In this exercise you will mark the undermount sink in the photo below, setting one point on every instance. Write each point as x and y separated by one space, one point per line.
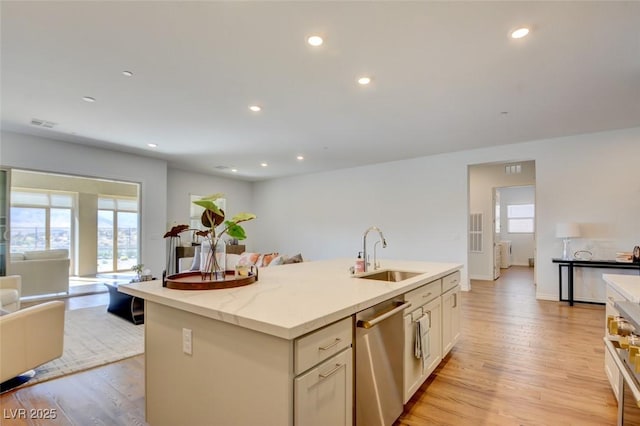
392 276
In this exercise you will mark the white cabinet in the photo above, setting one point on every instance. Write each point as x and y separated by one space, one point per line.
450 319
323 388
610 367
315 347
324 395
439 302
416 370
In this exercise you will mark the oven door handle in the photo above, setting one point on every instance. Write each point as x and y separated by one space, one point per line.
623 370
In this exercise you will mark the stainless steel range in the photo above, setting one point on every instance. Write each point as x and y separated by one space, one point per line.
623 344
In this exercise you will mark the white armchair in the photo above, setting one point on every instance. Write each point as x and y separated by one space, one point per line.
10 292
29 338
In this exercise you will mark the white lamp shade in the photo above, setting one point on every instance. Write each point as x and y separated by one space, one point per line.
567 230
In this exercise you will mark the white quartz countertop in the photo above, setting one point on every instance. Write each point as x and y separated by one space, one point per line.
627 285
288 301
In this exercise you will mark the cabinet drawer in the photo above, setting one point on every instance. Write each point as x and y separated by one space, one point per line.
450 281
320 345
424 294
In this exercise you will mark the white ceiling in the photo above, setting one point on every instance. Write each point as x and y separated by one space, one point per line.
443 74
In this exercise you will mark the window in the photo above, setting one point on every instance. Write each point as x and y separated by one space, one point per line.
41 220
520 218
117 233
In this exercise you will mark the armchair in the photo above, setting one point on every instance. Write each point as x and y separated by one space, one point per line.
29 338
10 292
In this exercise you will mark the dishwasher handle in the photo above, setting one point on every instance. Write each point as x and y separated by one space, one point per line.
399 307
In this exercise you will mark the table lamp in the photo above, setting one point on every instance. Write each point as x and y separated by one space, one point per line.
566 231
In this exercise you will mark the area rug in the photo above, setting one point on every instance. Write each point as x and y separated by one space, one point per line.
92 337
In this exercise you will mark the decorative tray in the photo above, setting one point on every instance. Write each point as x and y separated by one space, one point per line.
194 280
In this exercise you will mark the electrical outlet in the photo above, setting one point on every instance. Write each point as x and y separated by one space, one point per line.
187 341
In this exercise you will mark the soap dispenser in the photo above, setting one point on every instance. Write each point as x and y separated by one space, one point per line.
359 266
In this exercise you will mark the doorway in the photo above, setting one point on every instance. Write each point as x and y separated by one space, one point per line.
503 196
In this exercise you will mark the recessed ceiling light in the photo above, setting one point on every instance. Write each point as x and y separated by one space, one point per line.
264 164
88 99
315 40
152 145
255 108
520 32
234 170
364 80
127 73
300 158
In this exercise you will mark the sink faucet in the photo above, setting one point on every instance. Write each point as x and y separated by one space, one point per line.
364 248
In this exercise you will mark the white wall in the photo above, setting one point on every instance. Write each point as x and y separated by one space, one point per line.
421 204
522 245
483 178
40 154
181 184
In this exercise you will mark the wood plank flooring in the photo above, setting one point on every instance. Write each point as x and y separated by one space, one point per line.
519 361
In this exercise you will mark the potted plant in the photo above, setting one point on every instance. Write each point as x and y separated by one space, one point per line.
213 218
138 270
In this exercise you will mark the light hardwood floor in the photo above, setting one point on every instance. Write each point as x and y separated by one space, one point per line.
519 362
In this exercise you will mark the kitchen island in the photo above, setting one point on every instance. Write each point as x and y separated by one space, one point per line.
240 356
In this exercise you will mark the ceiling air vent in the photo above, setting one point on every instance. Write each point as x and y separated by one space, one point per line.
221 167
43 123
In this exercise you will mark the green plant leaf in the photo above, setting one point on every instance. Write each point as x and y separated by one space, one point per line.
235 231
208 205
243 217
213 197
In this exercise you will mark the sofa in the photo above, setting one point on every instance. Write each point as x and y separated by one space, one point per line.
29 338
10 292
42 271
248 258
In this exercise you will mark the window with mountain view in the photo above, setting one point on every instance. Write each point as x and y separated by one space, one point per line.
117 233
41 220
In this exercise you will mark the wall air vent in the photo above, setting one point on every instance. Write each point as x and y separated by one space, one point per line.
513 169
475 232
43 123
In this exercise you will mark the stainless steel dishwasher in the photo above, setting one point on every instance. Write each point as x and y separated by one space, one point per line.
379 356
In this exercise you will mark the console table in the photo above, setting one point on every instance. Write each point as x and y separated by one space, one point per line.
570 264
125 306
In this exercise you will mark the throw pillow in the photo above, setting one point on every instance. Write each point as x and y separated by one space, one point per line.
278 260
268 258
46 254
247 258
293 259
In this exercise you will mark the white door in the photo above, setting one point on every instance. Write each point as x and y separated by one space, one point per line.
496 233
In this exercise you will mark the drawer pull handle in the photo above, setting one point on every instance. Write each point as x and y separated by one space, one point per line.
427 295
330 345
330 373
454 281
455 300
